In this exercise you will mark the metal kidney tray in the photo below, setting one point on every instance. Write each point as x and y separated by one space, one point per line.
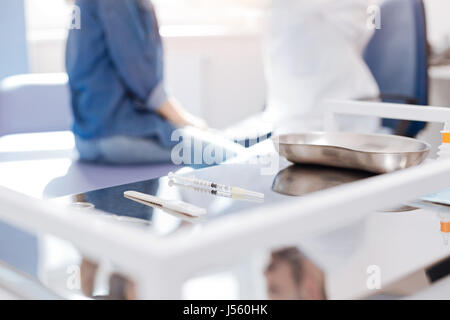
370 152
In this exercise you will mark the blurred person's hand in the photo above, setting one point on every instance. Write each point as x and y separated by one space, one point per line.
178 116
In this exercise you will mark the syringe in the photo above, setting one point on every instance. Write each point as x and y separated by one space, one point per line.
233 191
214 192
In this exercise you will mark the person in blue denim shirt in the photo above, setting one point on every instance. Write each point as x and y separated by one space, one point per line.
123 113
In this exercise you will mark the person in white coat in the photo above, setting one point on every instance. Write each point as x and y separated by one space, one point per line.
314 51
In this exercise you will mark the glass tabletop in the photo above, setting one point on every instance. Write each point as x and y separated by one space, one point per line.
288 182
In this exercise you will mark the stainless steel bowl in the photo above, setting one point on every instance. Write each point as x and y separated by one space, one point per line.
370 152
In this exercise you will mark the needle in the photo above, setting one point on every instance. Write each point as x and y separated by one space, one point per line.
234 191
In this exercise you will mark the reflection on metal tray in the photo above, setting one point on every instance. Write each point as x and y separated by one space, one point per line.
300 180
370 152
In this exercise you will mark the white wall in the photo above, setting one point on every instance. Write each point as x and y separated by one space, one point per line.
218 77
13 46
438 21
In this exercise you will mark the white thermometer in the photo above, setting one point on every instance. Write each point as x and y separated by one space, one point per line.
174 205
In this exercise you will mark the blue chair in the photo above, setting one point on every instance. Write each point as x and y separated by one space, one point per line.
397 55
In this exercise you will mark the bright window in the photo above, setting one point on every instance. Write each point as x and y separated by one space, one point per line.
48 21
47 18
50 17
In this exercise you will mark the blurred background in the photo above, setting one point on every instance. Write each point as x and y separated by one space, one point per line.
206 41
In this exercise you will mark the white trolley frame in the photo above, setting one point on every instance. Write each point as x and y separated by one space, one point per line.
160 266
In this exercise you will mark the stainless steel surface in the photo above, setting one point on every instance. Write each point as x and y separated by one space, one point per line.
370 152
403 208
300 180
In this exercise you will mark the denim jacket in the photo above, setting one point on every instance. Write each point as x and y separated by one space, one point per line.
115 67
